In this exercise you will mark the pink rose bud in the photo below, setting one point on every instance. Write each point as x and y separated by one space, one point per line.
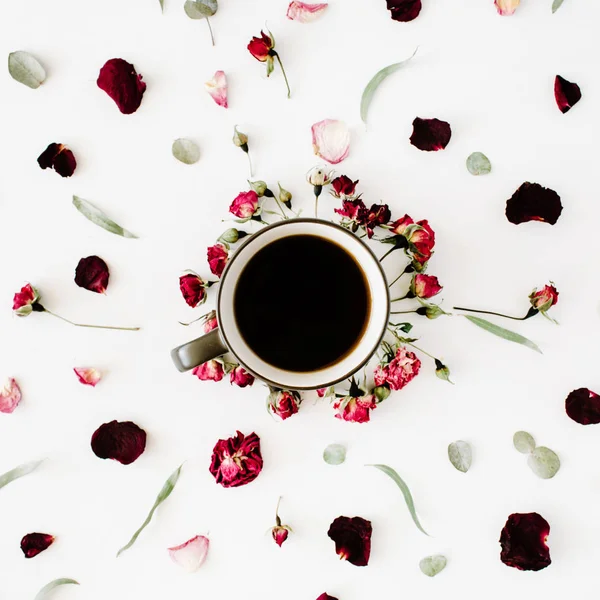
217 88
120 81
236 461
123 441
87 375
280 534
34 543
23 301
400 371
217 257
284 403
425 286
304 13
240 377
544 299
355 410
211 370
59 158
506 7
245 205
190 555
10 396
193 289
92 274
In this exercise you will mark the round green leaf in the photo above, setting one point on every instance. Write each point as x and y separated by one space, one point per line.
544 462
479 164
460 455
186 151
200 9
26 69
524 442
334 454
432 565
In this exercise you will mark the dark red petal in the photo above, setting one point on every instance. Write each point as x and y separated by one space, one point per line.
430 135
34 543
326 597
92 274
121 441
46 158
119 80
532 202
583 406
523 541
404 10
65 163
352 537
567 94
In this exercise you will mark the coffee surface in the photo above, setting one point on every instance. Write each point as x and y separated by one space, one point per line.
302 303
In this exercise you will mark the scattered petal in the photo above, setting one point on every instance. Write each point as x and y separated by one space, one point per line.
523 540
88 375
97 217
10 396
92 274
119 80
506 7
505 334
334 454
58 157
121 441
544 462
305 13
43 593
217 88
404 10
26 69
583 406
532 202
352 537
432 565
460 455
479 164
19 472
191 554
430 135
567 94
186 151
524 442
34 543
237 460
331 140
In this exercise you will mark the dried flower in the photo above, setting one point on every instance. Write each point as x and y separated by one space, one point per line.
236 461
122 441
285 197
583 406
88 375
424 286
245 206
442 371
399 371
92 274
318 177
352 537
378 214
211 370
263 50
326 597
430 135
231 236
241 141
355 410
280 532
343 187
210 321
506 7
240 377
10 396
331 140
532 202
217 88
283 403
567 94
193 288
404 10
119 80
34 543
523 540
217 257
190 555
59 158
305 13
326 392
544 299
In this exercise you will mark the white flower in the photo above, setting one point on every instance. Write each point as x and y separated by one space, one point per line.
331 140
319 175
191 554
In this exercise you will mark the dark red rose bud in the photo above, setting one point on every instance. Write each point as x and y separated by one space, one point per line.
121 441
119 80
379 214
430 135
567 94
352 537
217 257
193 289
326 597
260 47
280 534
343 186
583 406
59 158
92 274
237 460
34 543
355 210
532 202
523 542
404 10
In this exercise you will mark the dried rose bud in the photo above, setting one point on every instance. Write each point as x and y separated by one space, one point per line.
10 396
382 392
211 370
532 202
87 375
261 188
352 537
544 299
400 371
261 47
34 543
92 274
430 135
284 403
122 441
217 257
583 406
245 205
523 540
378 214
240 377
231 236
319 176
119 80
210 322
425 286
285 197
442 371
280 534
343 187
240 139
193 289
190 555
355 409
217 88
326 597
59 158
236 461
326 392
431 311
25 300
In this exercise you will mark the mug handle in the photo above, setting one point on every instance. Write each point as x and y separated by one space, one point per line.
198 351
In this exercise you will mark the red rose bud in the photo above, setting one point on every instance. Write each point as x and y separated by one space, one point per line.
400 226
567 94
430 135
352 537
400 371
211 370
92 274
425 286
34 543
59 158
193 289
326 597
284 403
523 540
379 214
121 441
280 534
217 257
240 377
544 299
261 47
24 301
421 242
404 10
355 409
245 205
236 461
583 406
532 202
120 81
343 187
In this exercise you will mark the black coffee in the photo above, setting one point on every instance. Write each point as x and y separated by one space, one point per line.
302 303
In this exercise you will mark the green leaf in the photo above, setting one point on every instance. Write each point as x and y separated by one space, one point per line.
524 442
43 593
162 5
432 565
334 454
405 492
19 471
376 82
96 216
544 462
479 164
200 9
164 493
26 69
186 151
506 334
556 5
460 455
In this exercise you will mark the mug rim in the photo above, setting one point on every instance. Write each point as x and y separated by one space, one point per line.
282 223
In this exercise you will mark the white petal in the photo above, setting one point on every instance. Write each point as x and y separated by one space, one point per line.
305 13
507 7
331 140
88 375
190 555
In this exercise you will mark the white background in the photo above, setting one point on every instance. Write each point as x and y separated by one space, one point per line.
492 79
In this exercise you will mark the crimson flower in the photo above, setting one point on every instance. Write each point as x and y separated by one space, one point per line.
25 301
263 50
34 543
92 274
245 205
217 257
121 441
424 286
343 187
120 81
280 532
59 158
523 540
378 214
236 461
211 370
193 289
240 377
352 537
283 403
544 299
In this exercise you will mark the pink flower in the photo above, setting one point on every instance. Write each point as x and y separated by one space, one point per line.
402 369
245 205
92 274
240 377
280 534
331 140
236 461
355 410
304 13
24 300
217 257
191 554
193 289
10 396
120 81
121 441
425 286
34 543
217 88
87 375
284 403
210 322
506 7
59 158
544 299
211 370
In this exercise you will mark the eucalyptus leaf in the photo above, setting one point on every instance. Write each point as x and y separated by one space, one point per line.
460 455
19 472
162 4
405 492
43 593
544 462
479 164
186 151
200 9
164 493
506 334
372 86
432 565
96 216
524 442
26 69
556 5
334 454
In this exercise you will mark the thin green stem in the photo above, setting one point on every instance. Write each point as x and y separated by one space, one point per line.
403 312
212 37
280 207
289 95
402 298
387 253
250 163
316 207
92 326
488 312
421 350
397 278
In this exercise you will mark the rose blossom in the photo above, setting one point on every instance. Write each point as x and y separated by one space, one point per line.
355 210
421 242
583 406
355 409
88 375
120 81
506 7
121 441
240 377
261 47
304 13
211 370
544 299
34 543
10 396
379 214
92 274
217 257
59 158
245 205
352 537
425 286
343 187
193 289
191 554
23 301
331 140
523 540
402 369
284 403
400 226
217 88
236 461
280 534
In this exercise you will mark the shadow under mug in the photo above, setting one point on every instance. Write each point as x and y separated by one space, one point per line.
227 337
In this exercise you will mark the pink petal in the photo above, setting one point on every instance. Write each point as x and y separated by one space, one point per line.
331 140
10 396
506 7
305 13
217 88
191 554
88 375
